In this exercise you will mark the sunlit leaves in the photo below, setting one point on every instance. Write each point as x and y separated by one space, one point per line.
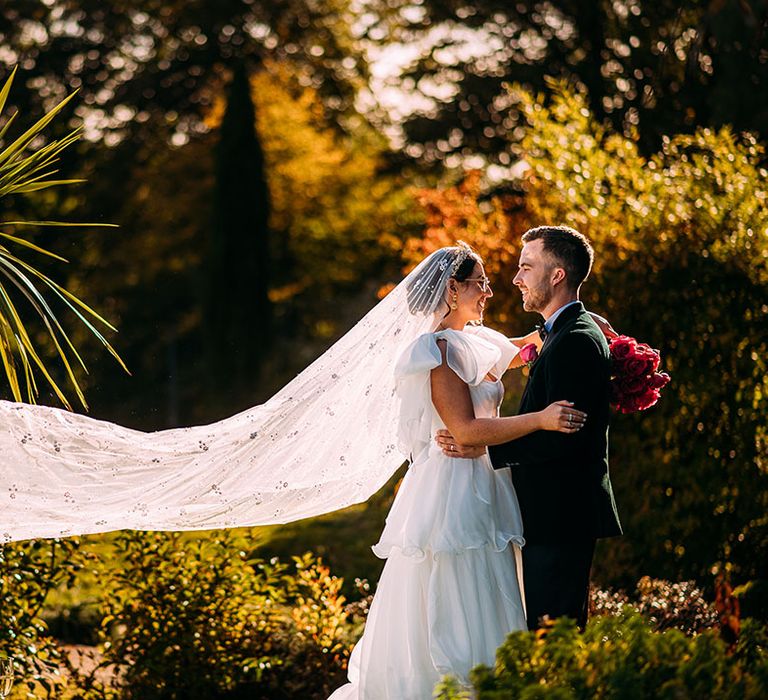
29 572
621 657
24 169
200 617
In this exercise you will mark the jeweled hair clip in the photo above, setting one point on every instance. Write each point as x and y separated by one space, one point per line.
461 256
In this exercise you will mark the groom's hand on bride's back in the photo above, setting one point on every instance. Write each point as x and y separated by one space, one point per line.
451 448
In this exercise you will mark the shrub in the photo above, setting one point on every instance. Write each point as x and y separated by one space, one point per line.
664 604
201 619
29 572
753 598
621 657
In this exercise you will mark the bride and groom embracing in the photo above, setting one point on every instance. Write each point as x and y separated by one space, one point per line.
486 496
419 377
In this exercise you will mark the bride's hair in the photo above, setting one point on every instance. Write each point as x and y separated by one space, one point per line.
426 290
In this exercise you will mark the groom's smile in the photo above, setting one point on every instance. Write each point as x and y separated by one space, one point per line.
532 278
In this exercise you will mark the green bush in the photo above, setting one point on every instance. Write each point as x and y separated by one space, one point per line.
753 599
621 658
198 618
664 604
29 573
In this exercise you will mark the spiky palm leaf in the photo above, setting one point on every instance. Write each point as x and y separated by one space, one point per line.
22 171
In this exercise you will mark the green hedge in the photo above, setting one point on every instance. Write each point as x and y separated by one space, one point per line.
29 573
621 658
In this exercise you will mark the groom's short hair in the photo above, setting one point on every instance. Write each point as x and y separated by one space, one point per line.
570 248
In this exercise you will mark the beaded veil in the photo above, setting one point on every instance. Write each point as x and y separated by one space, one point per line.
328 439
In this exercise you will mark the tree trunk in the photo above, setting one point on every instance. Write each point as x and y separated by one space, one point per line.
239 311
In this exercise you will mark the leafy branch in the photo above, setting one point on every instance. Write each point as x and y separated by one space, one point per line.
23 172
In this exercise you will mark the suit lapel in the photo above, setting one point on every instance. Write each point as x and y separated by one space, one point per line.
562 322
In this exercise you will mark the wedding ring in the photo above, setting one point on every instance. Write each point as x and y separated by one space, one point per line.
453 448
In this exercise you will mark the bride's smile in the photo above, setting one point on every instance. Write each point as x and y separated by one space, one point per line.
467 298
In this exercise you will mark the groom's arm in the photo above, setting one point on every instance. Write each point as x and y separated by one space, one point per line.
576 371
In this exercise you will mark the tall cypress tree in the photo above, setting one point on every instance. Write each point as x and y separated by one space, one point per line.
239 310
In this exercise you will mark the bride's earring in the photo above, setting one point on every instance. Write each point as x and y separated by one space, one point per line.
454 302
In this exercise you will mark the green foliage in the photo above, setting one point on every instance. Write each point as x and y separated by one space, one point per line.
753 599
145 93
660 68
198 618
29 573
664 604
621 658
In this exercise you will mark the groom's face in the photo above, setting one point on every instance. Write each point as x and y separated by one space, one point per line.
534 276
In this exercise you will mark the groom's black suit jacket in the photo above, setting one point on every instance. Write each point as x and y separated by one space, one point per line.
562 479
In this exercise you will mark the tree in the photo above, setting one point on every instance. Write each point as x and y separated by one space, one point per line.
239 311
157 64
662 67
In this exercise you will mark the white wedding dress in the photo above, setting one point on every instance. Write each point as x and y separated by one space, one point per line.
449 593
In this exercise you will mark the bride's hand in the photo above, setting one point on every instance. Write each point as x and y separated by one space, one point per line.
605 326
561 416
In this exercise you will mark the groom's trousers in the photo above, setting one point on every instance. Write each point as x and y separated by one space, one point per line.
556 580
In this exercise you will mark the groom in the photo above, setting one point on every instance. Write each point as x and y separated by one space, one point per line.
561 479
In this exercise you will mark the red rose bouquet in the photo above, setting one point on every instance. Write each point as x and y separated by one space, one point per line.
636 383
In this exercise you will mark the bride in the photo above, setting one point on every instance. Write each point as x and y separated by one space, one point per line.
449 592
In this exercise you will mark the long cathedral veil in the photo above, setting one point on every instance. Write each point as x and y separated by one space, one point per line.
328 439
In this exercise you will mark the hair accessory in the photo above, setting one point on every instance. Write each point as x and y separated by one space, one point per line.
461 256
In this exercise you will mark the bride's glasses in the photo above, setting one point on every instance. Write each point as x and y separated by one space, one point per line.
483 282
6 677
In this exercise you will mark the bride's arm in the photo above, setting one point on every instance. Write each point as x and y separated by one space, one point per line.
604 325
451 398
521 342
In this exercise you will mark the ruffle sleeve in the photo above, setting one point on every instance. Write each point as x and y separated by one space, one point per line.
472 355
507 351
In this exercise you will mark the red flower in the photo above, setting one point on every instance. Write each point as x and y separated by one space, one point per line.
659 380
622 346
648 353
529 353
636 385
637 366
631 385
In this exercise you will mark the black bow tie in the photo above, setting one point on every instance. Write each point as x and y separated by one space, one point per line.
543 332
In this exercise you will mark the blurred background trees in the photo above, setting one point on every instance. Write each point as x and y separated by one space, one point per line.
657 68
